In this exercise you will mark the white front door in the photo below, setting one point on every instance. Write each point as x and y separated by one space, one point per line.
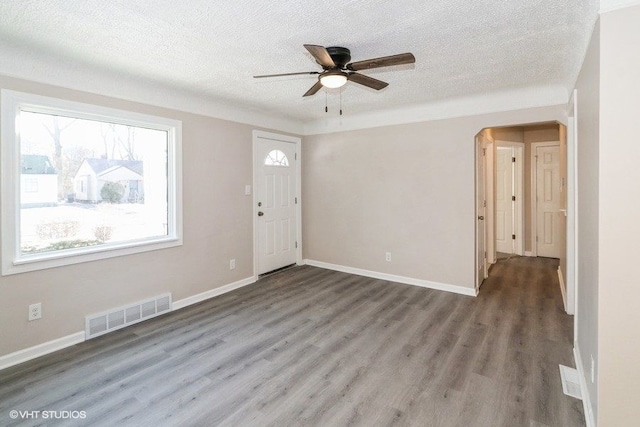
548 204
481 248
504 200
276 204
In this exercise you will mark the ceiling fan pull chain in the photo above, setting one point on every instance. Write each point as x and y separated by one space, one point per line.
326 106
340 101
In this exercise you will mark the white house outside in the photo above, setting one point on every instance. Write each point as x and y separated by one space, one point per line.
94 173
38 182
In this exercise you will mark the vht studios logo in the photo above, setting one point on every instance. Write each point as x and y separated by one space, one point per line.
51 415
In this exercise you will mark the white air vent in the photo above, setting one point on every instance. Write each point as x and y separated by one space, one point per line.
570 382
118 318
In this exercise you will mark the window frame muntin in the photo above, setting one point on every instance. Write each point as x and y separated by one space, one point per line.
12 103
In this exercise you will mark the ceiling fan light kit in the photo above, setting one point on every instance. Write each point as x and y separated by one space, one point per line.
333 79
336 69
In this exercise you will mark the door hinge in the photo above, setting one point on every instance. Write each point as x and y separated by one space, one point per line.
513 237
295 156
513 159
296 245
536 238
484 151
513 198
296 200
484 203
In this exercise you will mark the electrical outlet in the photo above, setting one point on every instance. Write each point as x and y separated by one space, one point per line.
232 264
35 311
387 257
593 370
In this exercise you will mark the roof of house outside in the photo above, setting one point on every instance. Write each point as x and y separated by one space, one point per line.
34 164
100 165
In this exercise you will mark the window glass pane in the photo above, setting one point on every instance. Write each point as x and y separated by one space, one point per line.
276 158
87 183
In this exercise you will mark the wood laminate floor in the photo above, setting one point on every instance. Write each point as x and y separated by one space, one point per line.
314 347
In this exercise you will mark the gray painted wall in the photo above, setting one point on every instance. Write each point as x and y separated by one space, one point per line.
588 120
217 227
619 219
406 189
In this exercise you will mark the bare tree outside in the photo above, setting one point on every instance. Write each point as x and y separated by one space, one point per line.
55 131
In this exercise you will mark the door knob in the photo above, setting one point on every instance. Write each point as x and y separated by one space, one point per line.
260 213
481 217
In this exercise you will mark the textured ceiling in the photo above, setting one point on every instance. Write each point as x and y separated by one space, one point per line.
212 48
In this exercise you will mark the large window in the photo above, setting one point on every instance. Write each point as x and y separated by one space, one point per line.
82 182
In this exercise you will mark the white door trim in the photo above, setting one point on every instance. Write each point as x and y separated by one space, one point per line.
480 157
534 202
257 135
572 212
518 175
490 191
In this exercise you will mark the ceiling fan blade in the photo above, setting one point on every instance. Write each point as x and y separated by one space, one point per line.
385 61
315 88
321 55
286 74
367 81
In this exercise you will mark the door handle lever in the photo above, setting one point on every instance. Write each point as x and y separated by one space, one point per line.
481 217
260 213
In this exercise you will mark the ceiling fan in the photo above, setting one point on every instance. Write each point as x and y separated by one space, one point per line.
336 69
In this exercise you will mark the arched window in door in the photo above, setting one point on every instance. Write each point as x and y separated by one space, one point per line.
276 158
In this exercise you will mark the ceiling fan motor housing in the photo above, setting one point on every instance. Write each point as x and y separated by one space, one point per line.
340 55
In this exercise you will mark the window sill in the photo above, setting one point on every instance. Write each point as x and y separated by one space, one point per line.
75 256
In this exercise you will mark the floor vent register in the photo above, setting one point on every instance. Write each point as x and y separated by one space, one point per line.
118 318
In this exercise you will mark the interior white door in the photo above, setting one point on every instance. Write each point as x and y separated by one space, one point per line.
504 200
275 195
481 248
548 203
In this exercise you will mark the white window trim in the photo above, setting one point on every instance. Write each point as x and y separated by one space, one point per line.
11 104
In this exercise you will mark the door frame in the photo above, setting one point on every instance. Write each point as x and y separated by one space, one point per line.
518 188
572 212
534 192
479 146
257 136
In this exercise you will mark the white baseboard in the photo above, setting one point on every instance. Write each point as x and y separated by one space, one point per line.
177 305
528 253
393 278
27 354
30 353
563 289
586 399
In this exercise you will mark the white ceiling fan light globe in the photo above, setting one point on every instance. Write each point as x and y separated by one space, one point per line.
333 81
